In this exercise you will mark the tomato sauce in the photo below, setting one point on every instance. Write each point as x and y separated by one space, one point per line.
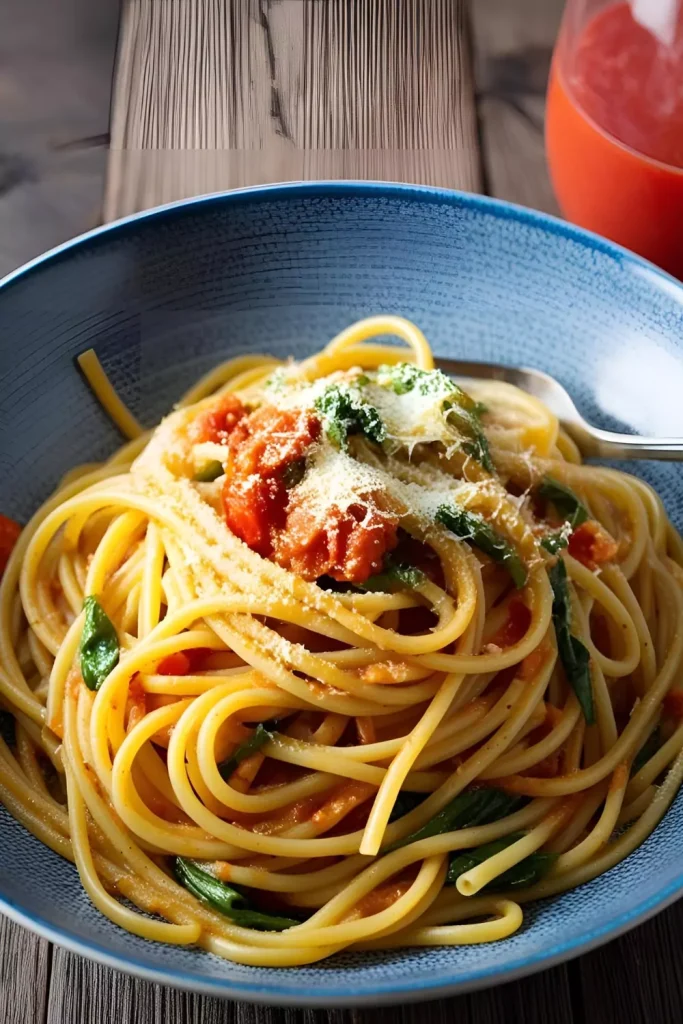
265 453
515 627
218 421
260 449
591 545
9 535
347 544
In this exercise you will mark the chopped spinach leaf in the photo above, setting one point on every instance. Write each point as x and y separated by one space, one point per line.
225 899
473 528
345 412
404 803
260 736
99 647
572 652
520 876
648 750
394 576
566 503
471 807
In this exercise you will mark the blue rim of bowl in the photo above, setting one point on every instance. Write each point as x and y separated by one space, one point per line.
375 992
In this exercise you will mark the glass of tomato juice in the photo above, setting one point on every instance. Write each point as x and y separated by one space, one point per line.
614 124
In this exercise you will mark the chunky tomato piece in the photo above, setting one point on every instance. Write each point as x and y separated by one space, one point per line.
9 535
533 663
270 439
253 508
515 626
177 664
182 663
591 545
261 449
349 545
673 704
218 421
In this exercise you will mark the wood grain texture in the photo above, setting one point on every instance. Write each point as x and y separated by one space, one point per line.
218 93
638 977
82 992
513 44
24 972
215 94
56 63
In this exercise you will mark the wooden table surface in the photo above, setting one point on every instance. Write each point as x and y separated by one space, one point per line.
212 94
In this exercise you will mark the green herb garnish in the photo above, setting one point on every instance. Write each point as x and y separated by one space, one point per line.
211 471
345 412
99 647
520 876
394 576
225 899
458 406
404 803
405 377
566 503
260 736
648 750
573 653
473 528
471 807
479 450
277 381
555 542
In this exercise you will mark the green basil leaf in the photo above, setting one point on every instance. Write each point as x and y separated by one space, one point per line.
345 412
648 750
520 876
211 471
567 504
471 807
474 529
555 542
573 654
394 576
479 449
404 803
260 736
457 405
225 899
99 647
405 377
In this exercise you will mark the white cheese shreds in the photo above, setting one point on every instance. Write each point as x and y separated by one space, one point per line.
335 480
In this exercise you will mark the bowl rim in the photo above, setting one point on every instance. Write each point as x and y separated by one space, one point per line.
374 992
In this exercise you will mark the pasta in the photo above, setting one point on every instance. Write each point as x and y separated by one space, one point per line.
340 656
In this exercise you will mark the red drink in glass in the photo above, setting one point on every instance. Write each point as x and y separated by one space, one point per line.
614 129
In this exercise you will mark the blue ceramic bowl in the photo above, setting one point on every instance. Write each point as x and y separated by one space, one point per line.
165 295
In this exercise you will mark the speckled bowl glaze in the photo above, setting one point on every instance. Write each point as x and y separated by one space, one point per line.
165 295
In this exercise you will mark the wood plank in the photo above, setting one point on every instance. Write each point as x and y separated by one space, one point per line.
638 977
24 971
82 992
215 94
513 45
56 63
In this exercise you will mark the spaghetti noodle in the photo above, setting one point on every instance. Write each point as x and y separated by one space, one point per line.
341 656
